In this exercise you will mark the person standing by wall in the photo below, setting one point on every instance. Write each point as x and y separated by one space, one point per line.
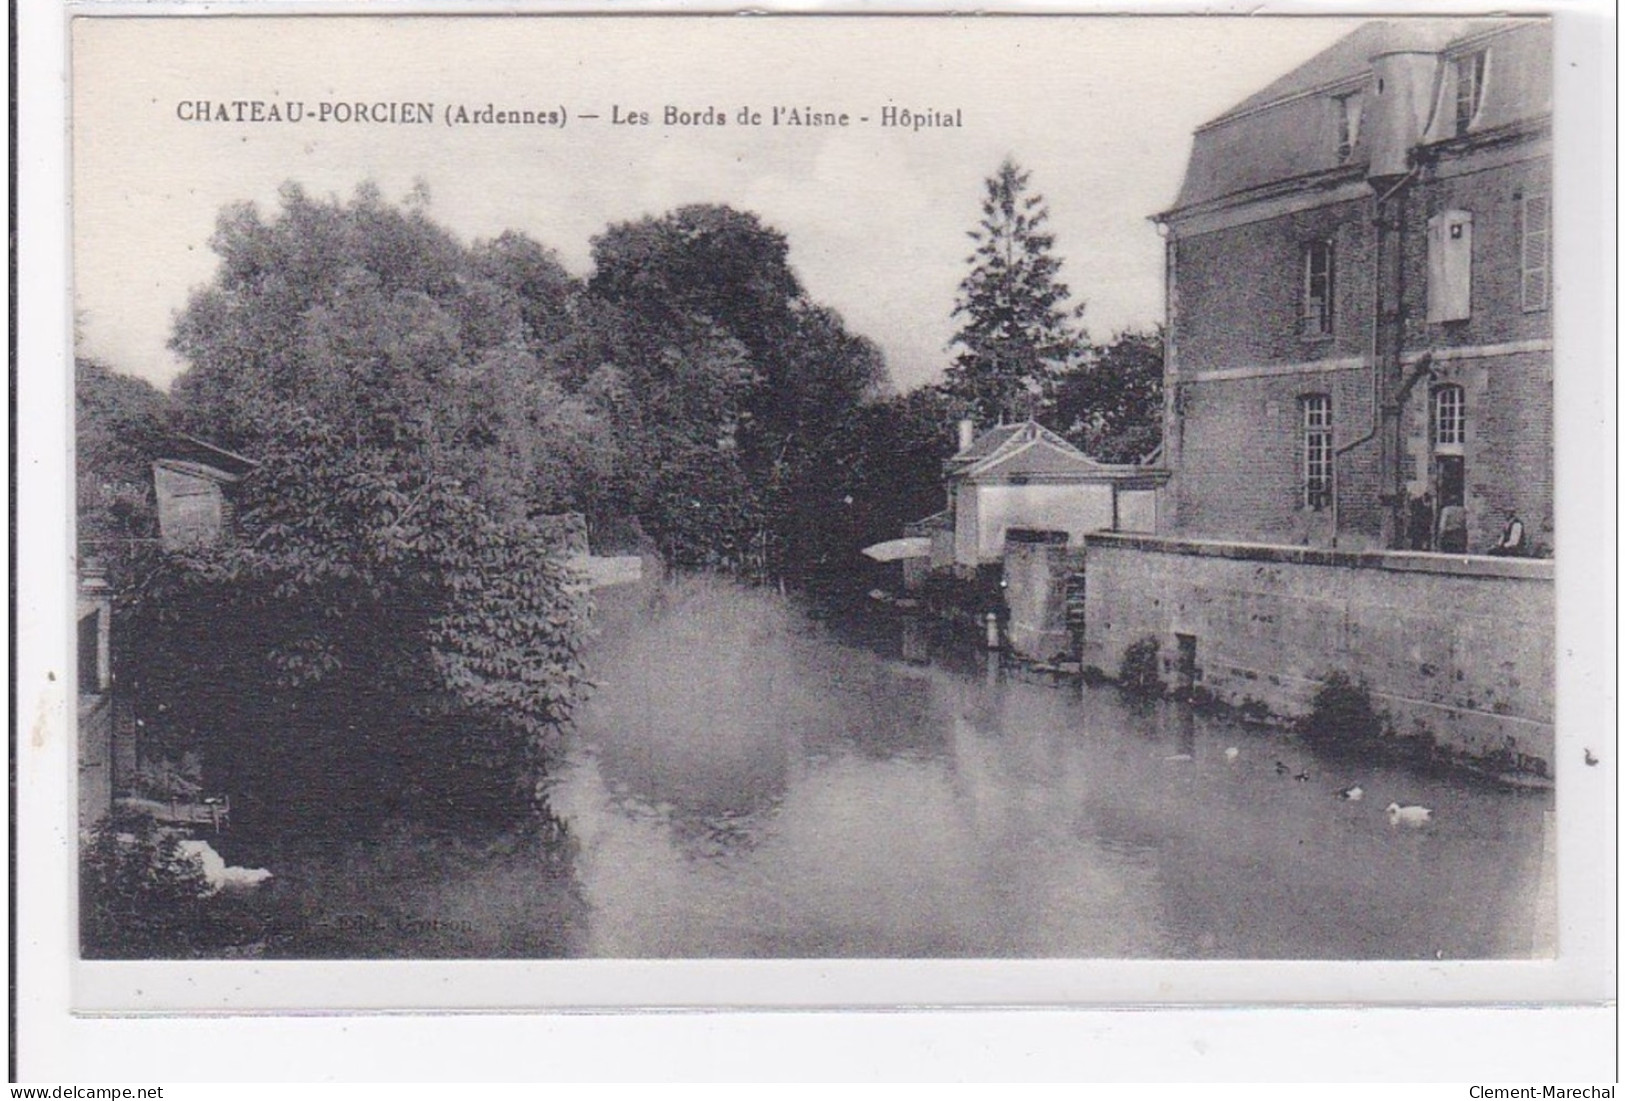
1452 530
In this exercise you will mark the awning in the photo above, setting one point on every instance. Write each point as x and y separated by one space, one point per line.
894 550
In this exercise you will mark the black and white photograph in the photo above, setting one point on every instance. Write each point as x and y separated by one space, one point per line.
916 488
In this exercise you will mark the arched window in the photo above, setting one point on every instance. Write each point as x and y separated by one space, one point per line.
1449 420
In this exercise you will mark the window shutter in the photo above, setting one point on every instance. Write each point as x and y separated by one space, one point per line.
1535 247
1450 266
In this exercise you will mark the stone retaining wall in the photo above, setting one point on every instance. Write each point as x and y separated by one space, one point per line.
1456 648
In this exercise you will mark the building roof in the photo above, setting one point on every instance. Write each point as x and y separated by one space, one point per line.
1029 450
1006 437
1351 56
986 444
201 457
1289 130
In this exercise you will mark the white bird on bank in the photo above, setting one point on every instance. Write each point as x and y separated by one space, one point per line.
216 872
1353 794
1409 816
1232 753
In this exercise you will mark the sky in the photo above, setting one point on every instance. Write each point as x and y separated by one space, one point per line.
1100 110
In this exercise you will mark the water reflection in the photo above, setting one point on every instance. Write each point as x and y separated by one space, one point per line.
749 784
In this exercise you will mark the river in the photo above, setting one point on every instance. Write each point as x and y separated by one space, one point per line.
750 782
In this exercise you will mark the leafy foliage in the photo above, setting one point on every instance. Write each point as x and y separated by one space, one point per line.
377 322
1017 336
140 895
742 378
1111 405
120 423
393 626
377 638
882 469
393 631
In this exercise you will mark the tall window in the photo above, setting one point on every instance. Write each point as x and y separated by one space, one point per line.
1317 450
1348 124
1449 420
1536 250
1469 88
1318 288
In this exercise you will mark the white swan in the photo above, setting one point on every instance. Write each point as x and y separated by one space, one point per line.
1410 816
1353 794
1232 753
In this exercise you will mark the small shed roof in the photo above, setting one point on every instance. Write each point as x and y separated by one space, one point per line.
188 453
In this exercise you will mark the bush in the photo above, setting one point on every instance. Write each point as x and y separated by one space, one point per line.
139 895
1342 710
1141 671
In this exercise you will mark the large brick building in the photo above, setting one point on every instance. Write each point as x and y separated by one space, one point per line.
1359 298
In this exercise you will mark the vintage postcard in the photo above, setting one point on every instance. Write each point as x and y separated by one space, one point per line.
834 511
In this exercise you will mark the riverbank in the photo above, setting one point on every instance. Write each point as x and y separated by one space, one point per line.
966 603
403 893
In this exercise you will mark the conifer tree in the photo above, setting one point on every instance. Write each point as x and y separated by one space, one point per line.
1017 336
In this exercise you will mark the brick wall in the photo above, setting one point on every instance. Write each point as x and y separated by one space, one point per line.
1509 447
1491 191
1235 293
1461 650
1242 471
1240 290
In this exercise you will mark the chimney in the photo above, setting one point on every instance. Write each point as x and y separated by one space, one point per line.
967 433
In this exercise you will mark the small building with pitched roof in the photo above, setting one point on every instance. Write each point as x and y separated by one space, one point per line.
1026 476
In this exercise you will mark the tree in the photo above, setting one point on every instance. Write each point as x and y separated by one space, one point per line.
748 375
377 640
120 423
392 630
1017 335
880 469
1111 406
